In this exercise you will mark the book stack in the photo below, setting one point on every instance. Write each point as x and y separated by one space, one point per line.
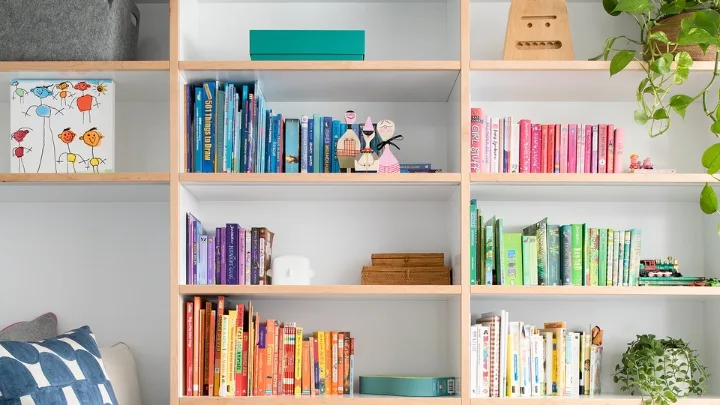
504 145
230 352
546 254
515 359
233 255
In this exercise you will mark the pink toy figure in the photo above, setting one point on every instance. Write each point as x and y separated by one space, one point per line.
647 164
388 162
634 161
348 145
367 160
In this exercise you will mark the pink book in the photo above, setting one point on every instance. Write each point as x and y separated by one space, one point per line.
594 153
535 152
488 144
610 164
543 148
572 148
588 148
556 167
550 168
602 149
619 146
476 151
580 153
525 146
563 149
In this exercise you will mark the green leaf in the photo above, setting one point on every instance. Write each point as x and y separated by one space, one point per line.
634 6
711 159
707 20
620 61
681 74
715 128
683 59
708 200
673 7
669 395
660 114
641 117
695 36
609 6
660 66
659 36
679 103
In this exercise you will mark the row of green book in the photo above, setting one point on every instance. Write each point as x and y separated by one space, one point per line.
546 254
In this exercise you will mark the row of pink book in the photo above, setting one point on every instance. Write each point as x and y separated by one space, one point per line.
499 145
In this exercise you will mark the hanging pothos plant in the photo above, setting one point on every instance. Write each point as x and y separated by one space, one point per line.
672 34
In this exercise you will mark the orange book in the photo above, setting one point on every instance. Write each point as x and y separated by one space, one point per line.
196 346
261 359
331 351
218 343
313 383
244 380
340 362
276 357
189 346
251 351
306 360
202 364
211 354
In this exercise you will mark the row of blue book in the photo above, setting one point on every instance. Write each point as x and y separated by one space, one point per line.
230 130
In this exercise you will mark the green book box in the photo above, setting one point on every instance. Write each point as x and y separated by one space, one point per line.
307 45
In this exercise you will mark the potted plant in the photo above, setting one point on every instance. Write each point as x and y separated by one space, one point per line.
662 369
673 33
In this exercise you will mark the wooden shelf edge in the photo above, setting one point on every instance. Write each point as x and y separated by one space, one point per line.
320 178
481 290
82 66
566 65
355 399
85 178
309 290
321 65
593 178
596 400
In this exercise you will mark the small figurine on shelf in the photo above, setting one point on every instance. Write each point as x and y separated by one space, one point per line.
367 159
388 162
634 161
647 164
348 145
597 336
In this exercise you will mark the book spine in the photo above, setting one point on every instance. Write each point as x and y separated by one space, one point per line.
542 254
580 149
488 144
311 147
610 150
588 148
525 146
551 162
572 148
563 149
199 118
620 258
189 347
636 238
626 259
327 140
255 255
543 148
566 254
594 153
553 249
473 242
306 362
602 148
577 254
248 256
593 250
304 145
496 145
261 256
602 256
610 256
475 142
490 256
297 342
240 260
514 146
535 151
190 246
586 254
619 149
202 260
474 356
211 260
219 254
240 334
232 238
617 246
208 144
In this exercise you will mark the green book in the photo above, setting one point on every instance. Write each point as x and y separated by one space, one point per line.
577 254
539 230
408 386
480 249
473 242
626 259
553 248
500 266
586 254
489 254
529 263
602 256
566 262
635 237
512 253
593 253
619 254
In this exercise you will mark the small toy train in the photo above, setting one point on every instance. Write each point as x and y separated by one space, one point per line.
659 268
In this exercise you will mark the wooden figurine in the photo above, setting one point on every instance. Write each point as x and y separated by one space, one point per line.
348 145
367 159
538 30
388 162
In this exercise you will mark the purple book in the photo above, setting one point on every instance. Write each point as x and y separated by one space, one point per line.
232 248
223 256
241 257
255 250
190 234
216 255
211 260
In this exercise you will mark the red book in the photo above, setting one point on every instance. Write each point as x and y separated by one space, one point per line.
240 326
525 146
610 149
536 149
550 168
189 349
543 148
572 148
211 350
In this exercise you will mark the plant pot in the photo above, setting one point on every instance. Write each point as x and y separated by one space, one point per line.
671 27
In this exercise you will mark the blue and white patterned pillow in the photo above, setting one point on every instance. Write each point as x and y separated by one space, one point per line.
64 370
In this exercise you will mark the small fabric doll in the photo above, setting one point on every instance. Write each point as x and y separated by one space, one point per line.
367 159
388 162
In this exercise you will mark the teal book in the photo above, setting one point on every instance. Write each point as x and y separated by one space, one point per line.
566 252
577 254
529 262
317 143
499 249
539 230
512 252
553 248
292 145
408 386
490 253
602 256
473 242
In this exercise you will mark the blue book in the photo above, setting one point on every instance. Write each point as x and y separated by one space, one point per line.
318 140
197 164
304 144
220 104
311 147
245 130
229 127
208 134
339 131
292 145
272 166
327 144
268 141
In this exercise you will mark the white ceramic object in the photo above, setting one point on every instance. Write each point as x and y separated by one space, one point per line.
291 270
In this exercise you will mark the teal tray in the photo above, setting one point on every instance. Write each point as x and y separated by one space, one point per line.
325 45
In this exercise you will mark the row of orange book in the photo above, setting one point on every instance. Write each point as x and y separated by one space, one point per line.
230 352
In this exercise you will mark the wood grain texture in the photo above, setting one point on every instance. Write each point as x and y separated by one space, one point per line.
565 290
84 178
84 66
597 178
321 65
329 178
599 400
309 290
566 65
321 400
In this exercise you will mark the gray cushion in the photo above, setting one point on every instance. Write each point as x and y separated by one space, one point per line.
40 328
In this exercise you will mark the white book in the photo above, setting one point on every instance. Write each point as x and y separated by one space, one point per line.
537 375
514 146
474 391
525 360
484 360
516 364
62 126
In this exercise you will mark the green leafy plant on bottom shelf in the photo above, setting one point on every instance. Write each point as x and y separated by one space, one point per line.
662 369
672 33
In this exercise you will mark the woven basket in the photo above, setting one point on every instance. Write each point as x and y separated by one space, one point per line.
408 259
671 27
382 275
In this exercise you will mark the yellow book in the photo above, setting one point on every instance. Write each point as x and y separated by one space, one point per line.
509 364
223 358
334 354
558 355
320 336
329 387
298 361
232 357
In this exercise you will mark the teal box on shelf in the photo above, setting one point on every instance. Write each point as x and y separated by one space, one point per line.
307 45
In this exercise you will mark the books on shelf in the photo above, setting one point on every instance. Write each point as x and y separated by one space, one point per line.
515 359
507 145
548 254
233 255
231 352
229 129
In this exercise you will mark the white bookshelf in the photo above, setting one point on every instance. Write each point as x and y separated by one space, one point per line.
427 63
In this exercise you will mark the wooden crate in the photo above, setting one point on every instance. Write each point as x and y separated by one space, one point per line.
408 259
389 275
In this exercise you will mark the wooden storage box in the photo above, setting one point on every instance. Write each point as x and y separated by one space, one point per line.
389 275
408 259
